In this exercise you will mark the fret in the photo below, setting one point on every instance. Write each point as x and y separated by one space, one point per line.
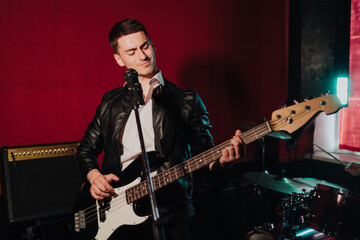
128 196
136 193
201 161
160 181
268 127
185 168
179 172
156 182
176 175
196 163
166 178
256 133
143 190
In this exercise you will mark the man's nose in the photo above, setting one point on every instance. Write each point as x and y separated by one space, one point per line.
142 54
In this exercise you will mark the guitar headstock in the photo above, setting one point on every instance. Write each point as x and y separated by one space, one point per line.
292 118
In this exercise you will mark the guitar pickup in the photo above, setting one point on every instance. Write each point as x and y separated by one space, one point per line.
104 205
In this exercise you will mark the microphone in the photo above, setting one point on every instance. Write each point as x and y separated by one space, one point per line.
132 79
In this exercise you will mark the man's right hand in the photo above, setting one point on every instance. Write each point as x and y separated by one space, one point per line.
100 184
353 168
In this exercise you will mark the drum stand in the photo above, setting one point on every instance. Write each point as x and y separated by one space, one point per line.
294 212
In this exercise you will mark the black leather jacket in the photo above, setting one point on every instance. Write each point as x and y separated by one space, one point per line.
181 127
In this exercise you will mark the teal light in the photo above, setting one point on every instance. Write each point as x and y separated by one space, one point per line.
305 232
342 90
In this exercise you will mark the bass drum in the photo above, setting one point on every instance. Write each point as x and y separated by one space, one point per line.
259 234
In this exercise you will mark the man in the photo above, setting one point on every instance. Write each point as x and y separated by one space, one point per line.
175 125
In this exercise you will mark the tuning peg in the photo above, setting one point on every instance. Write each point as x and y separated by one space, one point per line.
283 106
296 102
325 94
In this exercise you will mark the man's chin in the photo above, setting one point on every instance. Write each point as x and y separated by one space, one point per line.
147 73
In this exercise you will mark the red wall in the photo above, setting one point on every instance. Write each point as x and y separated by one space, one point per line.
56 62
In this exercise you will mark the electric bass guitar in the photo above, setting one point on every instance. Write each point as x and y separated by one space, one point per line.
99 219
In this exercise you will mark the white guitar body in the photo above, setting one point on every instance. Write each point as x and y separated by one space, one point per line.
118 214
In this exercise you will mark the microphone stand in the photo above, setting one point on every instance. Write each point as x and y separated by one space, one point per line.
262 141
158 230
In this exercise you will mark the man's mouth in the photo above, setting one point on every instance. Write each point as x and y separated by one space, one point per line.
145 63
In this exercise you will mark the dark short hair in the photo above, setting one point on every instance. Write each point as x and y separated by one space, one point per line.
123 28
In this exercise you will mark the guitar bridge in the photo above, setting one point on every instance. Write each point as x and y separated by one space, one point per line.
79 221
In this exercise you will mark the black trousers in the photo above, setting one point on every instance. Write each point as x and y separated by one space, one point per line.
144 231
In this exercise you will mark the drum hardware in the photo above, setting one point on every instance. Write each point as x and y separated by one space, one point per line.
312 209
294 214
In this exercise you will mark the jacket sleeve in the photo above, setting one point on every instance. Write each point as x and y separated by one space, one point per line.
200 138
91 145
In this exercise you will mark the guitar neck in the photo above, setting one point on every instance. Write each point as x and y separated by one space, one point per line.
161 180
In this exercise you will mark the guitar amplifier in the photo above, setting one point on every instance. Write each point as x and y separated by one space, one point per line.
39 181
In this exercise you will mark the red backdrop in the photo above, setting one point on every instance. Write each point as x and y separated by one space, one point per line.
56 62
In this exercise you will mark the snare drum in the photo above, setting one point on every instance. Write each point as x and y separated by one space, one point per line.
335 212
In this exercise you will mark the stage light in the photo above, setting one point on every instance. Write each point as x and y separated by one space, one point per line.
342 90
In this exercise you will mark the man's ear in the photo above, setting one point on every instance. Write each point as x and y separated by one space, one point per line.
119 60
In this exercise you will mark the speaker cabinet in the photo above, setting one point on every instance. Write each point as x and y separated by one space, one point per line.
39 181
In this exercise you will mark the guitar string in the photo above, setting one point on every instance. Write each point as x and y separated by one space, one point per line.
116 206
282 121
193 161
119 202
146 191
262 128
161 179
121 196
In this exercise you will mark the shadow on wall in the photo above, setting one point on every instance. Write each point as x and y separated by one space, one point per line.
223 89
221 86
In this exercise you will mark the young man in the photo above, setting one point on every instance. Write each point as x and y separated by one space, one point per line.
175 126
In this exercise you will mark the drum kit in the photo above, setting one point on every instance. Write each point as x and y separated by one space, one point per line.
310 209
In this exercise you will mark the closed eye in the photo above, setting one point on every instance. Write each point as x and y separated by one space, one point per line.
131 52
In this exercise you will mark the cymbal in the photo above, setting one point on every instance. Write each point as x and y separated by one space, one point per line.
313 182
277 183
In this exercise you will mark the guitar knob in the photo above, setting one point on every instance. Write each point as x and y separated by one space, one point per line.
289 120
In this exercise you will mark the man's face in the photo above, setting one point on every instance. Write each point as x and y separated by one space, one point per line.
137 52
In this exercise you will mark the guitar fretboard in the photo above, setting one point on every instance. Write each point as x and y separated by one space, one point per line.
161 180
